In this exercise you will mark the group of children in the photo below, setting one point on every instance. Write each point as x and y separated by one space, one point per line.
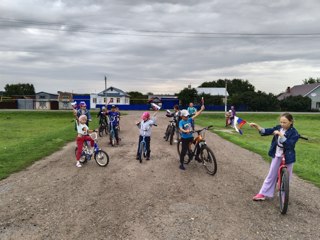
82 117
283 142
285 137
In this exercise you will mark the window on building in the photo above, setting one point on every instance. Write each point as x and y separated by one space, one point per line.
118 100
94 100
317 105
111 100
104 100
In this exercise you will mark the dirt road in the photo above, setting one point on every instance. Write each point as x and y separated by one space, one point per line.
154 200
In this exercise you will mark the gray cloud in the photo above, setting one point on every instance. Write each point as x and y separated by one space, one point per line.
157 46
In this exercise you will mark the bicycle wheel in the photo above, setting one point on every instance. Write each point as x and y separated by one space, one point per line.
101 130
168 132
112 138
171 135
102 158
209 160
83 158
284 191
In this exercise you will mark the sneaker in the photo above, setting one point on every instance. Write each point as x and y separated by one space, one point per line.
182 167
175 141
259 197
78 164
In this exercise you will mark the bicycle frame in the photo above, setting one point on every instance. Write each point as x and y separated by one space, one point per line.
100 156
205 154
112 132
282 166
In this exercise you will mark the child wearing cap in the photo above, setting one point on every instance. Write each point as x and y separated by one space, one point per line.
114 117
186 132
84 111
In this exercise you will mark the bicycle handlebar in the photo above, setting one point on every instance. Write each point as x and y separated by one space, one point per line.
206 128
304 138
93 135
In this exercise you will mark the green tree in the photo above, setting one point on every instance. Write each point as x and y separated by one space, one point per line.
256 101
20 89
296 103
138 98
311 80
210 100
188 95
233 86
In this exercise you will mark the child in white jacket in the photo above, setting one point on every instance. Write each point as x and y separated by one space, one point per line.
145 131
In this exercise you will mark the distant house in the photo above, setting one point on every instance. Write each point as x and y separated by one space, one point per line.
110 96
306 90
46 101
65 100
213 91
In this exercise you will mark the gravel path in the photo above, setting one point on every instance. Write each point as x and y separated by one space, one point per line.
154 200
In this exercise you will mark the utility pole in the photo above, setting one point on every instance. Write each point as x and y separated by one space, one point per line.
105 87
225 97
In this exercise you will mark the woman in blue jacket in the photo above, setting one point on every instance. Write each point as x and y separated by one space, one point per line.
283 142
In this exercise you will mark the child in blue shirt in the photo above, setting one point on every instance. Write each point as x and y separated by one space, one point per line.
186 132
114 117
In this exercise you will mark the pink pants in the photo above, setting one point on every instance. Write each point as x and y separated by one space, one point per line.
80 141
270 182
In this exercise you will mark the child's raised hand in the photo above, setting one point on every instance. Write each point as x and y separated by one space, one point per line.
252 124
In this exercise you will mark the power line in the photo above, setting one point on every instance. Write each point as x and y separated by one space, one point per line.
63 27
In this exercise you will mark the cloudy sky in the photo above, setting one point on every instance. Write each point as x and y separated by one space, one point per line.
158 46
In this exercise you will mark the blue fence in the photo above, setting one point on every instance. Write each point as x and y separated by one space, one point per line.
147 107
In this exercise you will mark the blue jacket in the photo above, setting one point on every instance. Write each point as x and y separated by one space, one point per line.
291 136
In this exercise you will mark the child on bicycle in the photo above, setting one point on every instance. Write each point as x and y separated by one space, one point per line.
145 131
283 142
186 132
84 111
114 117
102 115
83 135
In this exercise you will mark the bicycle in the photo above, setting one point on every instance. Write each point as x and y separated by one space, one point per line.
283 184
206 155
100 156
112 132
103 127
142 149
170 131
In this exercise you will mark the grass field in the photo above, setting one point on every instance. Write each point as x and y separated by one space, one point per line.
307 164
28 136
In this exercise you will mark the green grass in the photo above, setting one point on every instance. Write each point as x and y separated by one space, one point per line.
28 136
307 165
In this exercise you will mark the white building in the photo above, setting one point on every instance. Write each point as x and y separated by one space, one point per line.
213 91
111 95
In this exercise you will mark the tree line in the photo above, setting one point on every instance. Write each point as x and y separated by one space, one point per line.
241 93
